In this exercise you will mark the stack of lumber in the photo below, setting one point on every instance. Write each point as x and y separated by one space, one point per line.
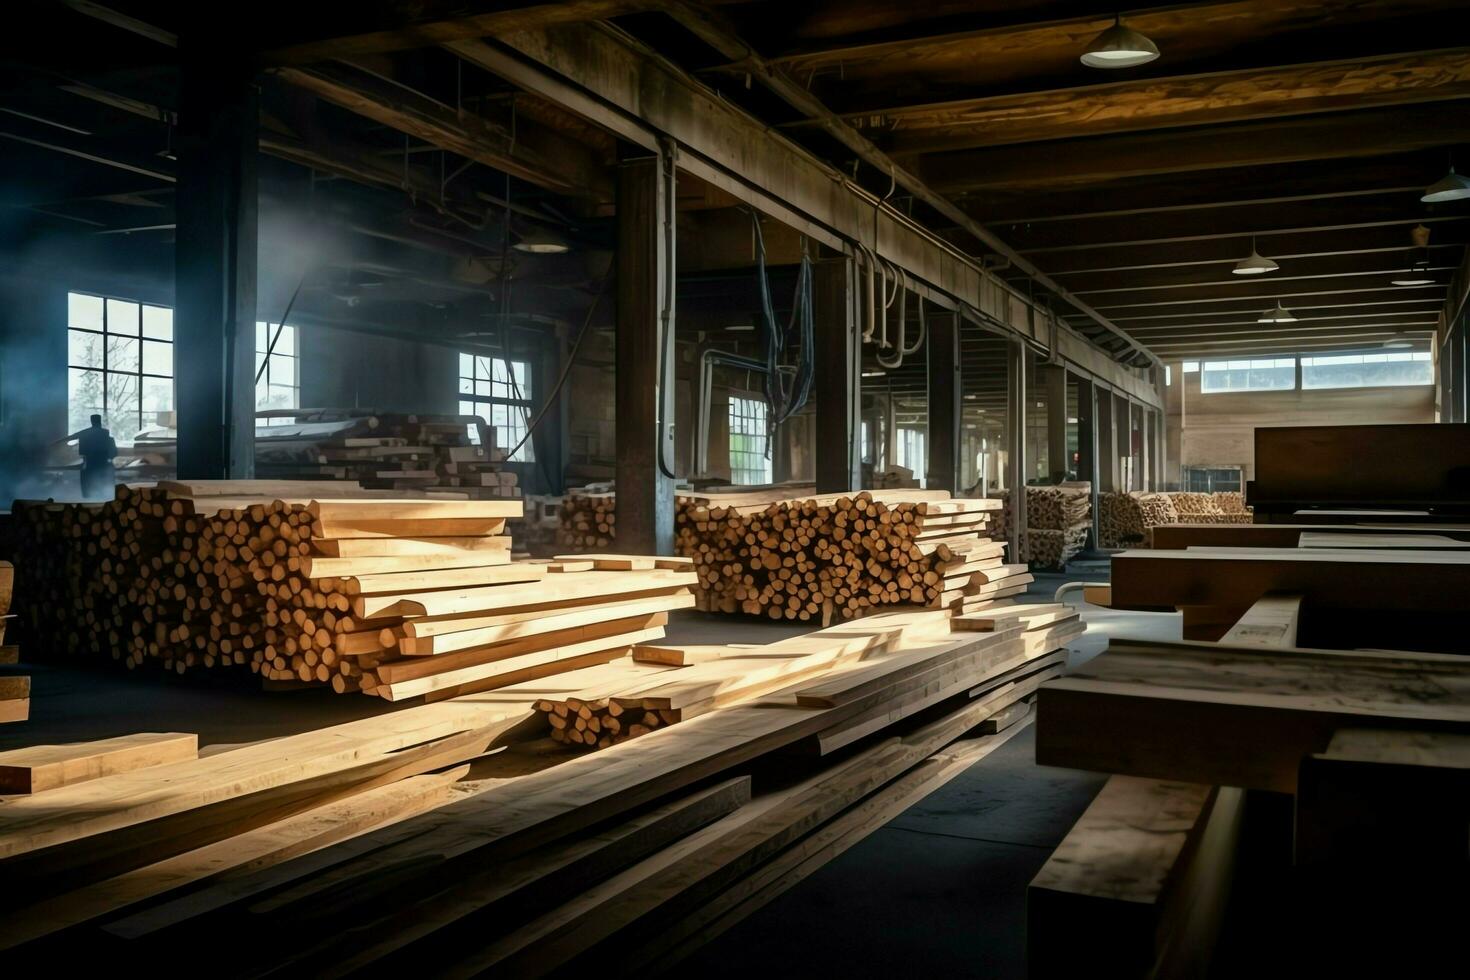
370 847
587 519
15 689
392 596
380 450
1128 519
1210 508
1058 520
840 556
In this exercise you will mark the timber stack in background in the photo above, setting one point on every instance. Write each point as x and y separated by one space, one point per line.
784 552
392 596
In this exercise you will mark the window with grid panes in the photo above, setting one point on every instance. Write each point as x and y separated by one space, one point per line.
498 390
749 465
911 454
120 364
1384 369
280 381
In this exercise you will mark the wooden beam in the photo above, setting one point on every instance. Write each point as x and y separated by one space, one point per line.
1271 621
1237 716
1016 44
1149 104
531 152
382 26
1338 135
1233 291
1443 260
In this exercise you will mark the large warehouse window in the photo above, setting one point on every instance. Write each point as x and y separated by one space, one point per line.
1212 479
1385 370
1255 374
120 358
280 383
498 390
911 451
749 465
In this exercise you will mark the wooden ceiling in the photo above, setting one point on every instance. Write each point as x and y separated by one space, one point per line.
1120 198
1309 126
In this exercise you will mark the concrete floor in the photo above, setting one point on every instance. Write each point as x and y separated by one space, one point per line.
942 886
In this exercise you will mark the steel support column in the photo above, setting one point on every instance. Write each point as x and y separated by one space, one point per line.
1020 358
215 264
943 466
838 383
1088 467
644 360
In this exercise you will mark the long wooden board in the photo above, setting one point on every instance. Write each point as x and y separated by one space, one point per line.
1237 716
39 768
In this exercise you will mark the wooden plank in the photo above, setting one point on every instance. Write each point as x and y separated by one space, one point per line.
514 670
9 654
495 599
389 584
1029 615
449 527
16 687
1270 622
15 709
471 908
1326 579
259 848
405 509
390 547
1237 716
885 672
1379 541
1143 875
1385 802
535 623
44 767
574 590
497 554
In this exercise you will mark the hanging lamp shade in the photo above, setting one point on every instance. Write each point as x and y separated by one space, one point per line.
1399 341
1277 314
1416 275
1254 264
1450 187
541 242
1119 47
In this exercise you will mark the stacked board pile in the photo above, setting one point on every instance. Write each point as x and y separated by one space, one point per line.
372 847
840 556
1128 519
15 689
587 518
1058 520
392 596
378 450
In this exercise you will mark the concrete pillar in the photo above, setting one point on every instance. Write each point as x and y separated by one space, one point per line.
215 263
837 383
943 468
645 358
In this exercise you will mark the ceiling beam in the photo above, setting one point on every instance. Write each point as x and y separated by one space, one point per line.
1013 46
532 153
88 148
1400 209
1337 135
1171 102
710 28
1383 263
123 21
380 26
1336 293
1281 246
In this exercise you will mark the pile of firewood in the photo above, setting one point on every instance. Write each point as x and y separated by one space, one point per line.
587 519
838 555
351 592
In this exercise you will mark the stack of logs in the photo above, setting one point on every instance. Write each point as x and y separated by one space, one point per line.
1128 519
355 593
1058 520
587 519
841 556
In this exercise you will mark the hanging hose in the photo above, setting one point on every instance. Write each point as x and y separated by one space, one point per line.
800 330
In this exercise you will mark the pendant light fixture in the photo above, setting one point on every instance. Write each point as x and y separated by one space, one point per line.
1119 47
1450 187
541 242
1399 341
1277 314
1417 274
1254 264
